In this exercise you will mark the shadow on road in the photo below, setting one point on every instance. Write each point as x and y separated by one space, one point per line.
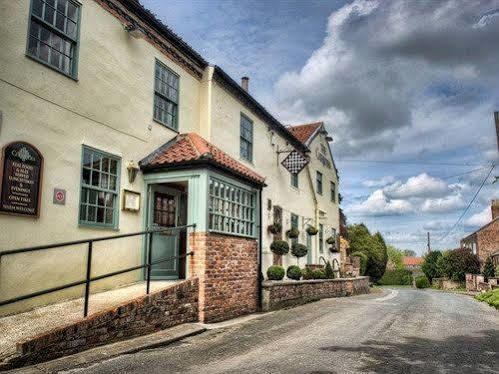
456 354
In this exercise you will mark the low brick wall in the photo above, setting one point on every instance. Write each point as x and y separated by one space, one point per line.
280 294
159 310
227 268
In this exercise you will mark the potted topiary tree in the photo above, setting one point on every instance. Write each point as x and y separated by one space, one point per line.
275 272
275 228
279 247
292 233
311 230
298 250
294 272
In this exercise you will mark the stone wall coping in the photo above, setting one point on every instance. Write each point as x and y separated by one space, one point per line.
274 283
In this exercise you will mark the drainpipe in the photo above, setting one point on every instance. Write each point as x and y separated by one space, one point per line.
260 251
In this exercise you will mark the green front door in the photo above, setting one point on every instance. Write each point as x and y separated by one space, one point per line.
164 210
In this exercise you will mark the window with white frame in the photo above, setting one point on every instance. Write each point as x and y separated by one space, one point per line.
232 209
99 201
166 96
53 34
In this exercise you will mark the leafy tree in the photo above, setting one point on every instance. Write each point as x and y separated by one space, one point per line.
429 267
395 257
456 263
409 253
373 246
488 268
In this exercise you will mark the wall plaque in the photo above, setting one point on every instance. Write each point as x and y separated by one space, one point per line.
131 201
21 176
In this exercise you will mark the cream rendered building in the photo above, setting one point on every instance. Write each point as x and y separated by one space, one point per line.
99 87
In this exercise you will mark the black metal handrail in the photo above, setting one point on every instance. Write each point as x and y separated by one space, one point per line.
88 279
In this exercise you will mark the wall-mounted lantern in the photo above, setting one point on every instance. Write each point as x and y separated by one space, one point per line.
134 30
132 169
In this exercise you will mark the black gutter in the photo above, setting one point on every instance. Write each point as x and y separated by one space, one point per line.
229 83
150 18
260 253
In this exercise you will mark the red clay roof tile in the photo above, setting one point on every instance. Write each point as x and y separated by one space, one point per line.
303 132
412 261
192 147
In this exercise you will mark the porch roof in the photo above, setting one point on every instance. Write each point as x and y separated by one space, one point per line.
192 149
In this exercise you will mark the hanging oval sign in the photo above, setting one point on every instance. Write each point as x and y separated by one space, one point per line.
21 176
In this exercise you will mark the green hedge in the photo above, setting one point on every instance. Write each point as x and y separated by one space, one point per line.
275 272
399 277
422 282
490 297
294 272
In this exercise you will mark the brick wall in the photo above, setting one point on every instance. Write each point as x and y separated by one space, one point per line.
279 294
227 268
487 241
159 310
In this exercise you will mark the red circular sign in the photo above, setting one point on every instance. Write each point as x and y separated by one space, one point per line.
59 196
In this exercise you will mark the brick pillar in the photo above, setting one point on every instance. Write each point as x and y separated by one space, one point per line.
495 209
227 268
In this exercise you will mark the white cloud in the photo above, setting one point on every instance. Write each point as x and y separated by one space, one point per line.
381 182
443 205
377 204
422 185
480 219
435 226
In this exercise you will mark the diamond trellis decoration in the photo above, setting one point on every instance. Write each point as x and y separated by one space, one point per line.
295 162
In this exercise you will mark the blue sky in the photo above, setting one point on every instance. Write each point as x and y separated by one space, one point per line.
410 83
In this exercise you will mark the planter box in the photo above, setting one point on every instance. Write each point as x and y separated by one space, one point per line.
281 294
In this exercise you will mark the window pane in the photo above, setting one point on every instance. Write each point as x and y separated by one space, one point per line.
113 168
100 215
71 28
49 14
109 216
37 8
92 197
86 176
72 11
55 58
91 213
61 6
33 46
45 35
35 29
59 21
44 52
95 178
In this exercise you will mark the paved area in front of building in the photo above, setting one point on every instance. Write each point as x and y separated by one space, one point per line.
21 326
400 331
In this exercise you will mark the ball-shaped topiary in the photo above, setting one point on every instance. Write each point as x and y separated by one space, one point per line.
331 240
279 247
294 272
422 282
299 250
275 228
275 272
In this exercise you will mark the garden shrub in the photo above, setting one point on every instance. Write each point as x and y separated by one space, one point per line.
292 233
429 267
328 271
318 274
299 250
311 230
456 263
275 228
275 272
488 269
422 282
307 273
363 261
331 240
293 272
279 247
400 277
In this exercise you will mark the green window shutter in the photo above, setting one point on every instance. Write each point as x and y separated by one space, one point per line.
99 188
166 96
53 35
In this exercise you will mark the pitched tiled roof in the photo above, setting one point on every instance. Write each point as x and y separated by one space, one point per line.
413 261
305 131
192 148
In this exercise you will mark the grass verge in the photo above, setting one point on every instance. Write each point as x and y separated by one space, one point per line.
490 297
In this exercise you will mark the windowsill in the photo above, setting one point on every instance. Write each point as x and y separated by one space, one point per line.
165 125
90 226
36 59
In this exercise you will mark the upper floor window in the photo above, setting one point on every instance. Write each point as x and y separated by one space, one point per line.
53 34
319 182
333 192
246 138
294 180
99 203
166 96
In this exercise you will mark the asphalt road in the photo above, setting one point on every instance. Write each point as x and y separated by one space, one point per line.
401 331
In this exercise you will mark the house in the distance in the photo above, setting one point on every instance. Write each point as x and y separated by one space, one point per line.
485 241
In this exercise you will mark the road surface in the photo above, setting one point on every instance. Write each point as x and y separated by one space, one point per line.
402 330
